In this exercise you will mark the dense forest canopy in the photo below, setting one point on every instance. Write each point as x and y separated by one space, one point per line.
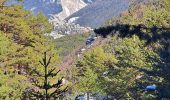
139 52
22 42
135 56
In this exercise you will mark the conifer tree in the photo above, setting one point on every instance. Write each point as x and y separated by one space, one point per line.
57 88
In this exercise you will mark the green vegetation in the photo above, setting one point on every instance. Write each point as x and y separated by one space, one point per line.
91 67
155 13
51 91
69 43
137 56
22 43
117 66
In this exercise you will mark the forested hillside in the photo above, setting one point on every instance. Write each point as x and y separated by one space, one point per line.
128 58
136 58
71 43
22 44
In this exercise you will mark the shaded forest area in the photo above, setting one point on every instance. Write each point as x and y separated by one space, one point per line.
149 35
137 56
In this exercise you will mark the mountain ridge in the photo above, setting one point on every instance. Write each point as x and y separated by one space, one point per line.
98 12
49 7
86 13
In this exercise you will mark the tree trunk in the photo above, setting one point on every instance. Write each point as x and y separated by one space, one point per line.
88 96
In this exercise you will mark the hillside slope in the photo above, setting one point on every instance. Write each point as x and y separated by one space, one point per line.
48 7
98 12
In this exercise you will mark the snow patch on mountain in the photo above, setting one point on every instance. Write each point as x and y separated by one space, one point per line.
71 20
33 8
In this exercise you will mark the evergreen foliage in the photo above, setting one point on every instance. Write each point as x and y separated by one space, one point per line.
22 42
117 66
69 43
137 55
140 45
56 88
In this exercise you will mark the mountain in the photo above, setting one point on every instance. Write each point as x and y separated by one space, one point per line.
36 6
69 7
62 7
98 12
86 13
89 1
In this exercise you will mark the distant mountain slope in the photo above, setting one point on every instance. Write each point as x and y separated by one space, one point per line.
87 13
89 1
64 7
45 6
98 12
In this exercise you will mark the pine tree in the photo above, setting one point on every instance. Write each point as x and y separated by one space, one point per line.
22 42
11 85
57 88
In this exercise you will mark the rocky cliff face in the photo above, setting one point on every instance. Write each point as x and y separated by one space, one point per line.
69 7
